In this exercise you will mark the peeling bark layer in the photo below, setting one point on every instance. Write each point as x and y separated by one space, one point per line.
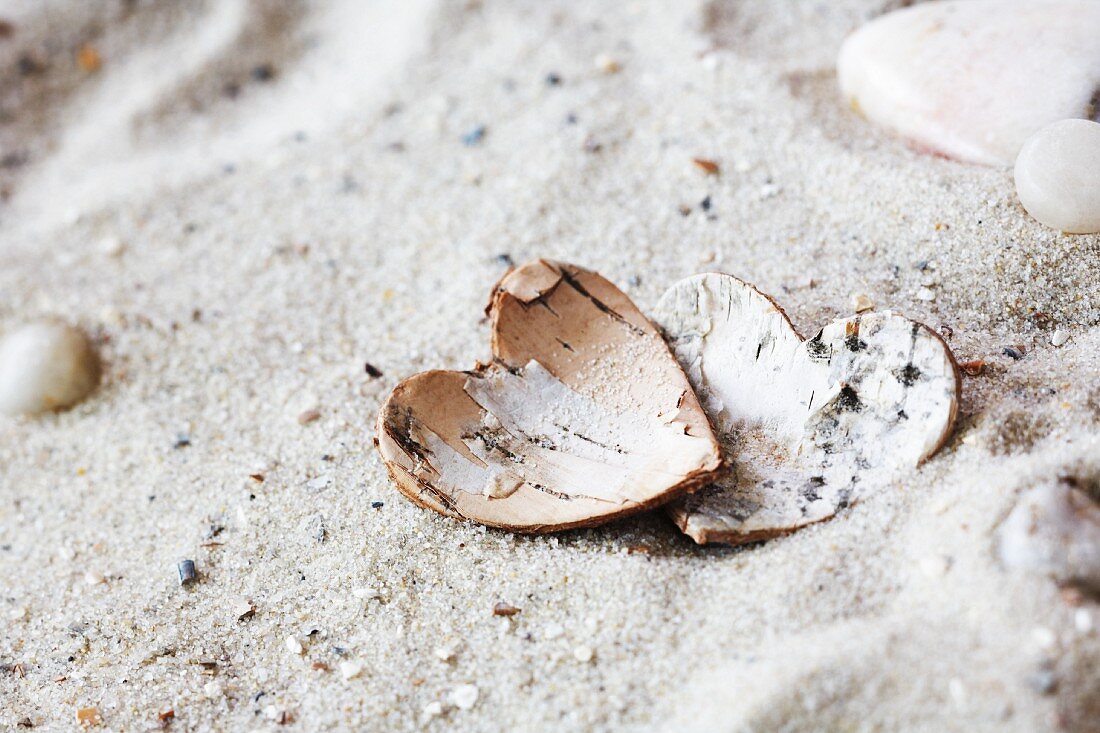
583 416
806 424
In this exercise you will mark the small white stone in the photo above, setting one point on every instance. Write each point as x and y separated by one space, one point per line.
957 690
862 303
445 653
769 191
607 63
367 594
464 697
111 245
1054 530
320 482
93 577
584 654
350 670
973 79
432 710
1059 337
935 566
553 631
1044 637
45 365
294 646
212 689
926 294
1082 620
19 613
1058 176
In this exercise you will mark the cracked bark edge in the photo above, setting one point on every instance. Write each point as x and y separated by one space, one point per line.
561 336
735 512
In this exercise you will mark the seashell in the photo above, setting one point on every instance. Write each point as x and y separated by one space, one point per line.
45 365
1058 176
1054 530
973 80
582 416
806 425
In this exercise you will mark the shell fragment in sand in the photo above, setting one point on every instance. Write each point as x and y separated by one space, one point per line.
583 416
805 424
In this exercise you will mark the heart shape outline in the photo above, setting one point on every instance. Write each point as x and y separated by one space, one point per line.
582 416
798 440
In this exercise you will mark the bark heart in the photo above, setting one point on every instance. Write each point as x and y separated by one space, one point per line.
583 415
806 424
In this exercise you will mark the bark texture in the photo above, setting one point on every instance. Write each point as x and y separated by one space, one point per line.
805 424
583 415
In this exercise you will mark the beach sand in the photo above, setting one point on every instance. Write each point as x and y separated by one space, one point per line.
244 202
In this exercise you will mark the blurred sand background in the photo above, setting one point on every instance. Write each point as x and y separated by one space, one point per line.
244 201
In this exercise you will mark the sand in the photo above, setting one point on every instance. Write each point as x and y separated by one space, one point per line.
247 201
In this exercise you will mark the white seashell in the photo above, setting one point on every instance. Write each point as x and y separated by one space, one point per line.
1054 530
45 365
973 80
1058 176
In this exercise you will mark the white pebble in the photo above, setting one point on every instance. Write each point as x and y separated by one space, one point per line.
1054 530
934 566
584 654
350 670
367 594
432 710
926 294
1044 638
445 653
957 690
319 482
1082 620
973 79
1059 337
464 697
769 191
294 646
111 245
1058 176
45 365
607 63
861 303
553 631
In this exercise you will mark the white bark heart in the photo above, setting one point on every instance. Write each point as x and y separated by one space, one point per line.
583 416
973 80
806 425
